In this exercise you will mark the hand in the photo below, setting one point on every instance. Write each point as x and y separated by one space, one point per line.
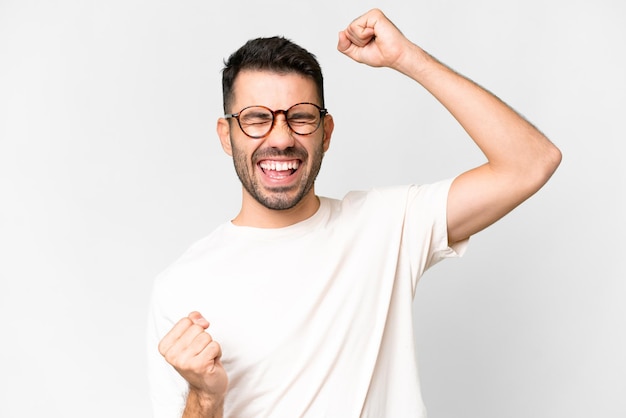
196 356
374 40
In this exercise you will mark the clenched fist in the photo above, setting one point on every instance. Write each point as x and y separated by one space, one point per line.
196 356
374 40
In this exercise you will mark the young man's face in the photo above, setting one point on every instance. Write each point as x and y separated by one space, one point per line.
278 170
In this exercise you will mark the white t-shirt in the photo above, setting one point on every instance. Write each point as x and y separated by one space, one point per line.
314 319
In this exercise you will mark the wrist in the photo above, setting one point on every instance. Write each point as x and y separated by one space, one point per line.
204 405
416 63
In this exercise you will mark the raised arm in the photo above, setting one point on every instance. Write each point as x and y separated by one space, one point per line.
520 159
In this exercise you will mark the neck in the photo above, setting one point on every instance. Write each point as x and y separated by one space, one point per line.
256 215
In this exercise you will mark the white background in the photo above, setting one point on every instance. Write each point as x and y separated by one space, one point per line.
110 168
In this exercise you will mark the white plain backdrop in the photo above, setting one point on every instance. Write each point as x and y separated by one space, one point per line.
110 168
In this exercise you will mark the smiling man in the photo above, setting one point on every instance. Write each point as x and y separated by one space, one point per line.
277 153
310 298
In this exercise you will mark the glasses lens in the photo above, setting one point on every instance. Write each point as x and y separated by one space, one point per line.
256 121
303 118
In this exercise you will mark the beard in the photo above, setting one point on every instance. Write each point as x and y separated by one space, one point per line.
278 198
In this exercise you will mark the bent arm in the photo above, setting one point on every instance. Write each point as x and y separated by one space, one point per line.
520 159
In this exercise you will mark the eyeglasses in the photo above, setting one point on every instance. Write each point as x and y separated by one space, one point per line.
258 121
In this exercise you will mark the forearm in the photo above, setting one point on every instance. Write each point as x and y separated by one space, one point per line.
203 406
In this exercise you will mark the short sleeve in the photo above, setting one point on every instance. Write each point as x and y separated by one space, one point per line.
425 232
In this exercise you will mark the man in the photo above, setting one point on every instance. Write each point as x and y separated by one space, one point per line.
310 298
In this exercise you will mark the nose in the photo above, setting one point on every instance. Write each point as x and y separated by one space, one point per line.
280 136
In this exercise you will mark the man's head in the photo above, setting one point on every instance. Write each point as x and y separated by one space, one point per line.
275 126
275 54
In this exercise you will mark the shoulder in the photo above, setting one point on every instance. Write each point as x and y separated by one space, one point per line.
373 205
391 196
196 253
374 196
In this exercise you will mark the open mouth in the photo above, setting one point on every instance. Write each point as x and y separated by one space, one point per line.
279 169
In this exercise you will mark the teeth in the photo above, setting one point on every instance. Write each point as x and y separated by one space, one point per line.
279 165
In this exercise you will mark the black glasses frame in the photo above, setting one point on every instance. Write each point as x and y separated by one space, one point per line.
323 112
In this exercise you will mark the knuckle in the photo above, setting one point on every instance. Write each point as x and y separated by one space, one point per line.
162 348
205 337
185 322
196 328
215 349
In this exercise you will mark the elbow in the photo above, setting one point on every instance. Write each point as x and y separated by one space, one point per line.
545 165
553 158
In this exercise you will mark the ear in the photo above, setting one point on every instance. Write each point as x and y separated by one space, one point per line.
329 126
223 131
